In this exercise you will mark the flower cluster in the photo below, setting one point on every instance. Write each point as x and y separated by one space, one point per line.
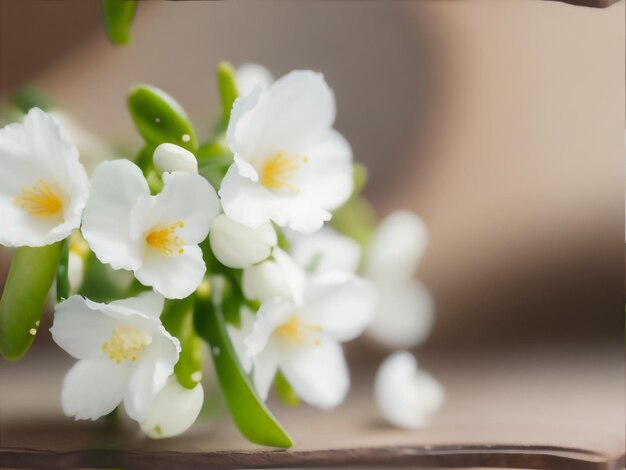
238 242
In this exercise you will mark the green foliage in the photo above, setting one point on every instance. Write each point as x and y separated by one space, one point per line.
29 97
118 18
159 118
178 320
24 296
251 416
99 281
63 277
284 391
227 87
355 219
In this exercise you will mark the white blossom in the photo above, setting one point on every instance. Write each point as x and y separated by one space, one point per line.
250 76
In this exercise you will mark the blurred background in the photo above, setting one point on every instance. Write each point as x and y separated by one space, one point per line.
500 123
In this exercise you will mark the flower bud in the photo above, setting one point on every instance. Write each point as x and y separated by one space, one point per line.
265 281
174 410
238 246
171 157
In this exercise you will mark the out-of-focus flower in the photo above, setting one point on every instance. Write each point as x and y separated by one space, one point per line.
43 186
156 237
250 76
290 165
92 149
171 157
405 309
239 246
174 410
324 251
406 396
301 335
124 354
238 335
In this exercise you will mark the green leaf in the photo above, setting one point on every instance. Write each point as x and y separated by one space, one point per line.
159 118
355 219
63 277
359 177
24 296
29 97
214 169
253 419
232 301
177 318
118 17
99 281
283 243
227 87
284 391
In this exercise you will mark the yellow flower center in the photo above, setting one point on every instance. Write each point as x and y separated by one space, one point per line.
278 171
39 201
166 241
298 332
125 343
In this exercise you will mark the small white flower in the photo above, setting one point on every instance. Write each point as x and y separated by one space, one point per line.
324 251
406 396
43 186
290 165
156 237
239 246
405 310
301 335
124 354
174 410
250 76
171 157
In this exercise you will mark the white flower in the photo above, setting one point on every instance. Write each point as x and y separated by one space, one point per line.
174 410
406 396
156 237
238 335
290 165
239 246
124 354
250 76
43 186
301 335
325 250
405 309
171 157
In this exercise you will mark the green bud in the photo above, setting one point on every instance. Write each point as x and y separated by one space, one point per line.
227 87
118 17
24 296
159 118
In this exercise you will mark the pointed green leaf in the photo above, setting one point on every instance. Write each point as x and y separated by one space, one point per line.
24 296
177 318
227 87
284 391
253 419
159 118
118 18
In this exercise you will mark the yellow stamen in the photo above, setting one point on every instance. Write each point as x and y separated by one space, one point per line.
298 332
126 343
39 201
279 170
166 241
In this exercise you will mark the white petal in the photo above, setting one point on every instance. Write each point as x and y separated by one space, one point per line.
75 268
115 187
265 281
149 304
150 375
32 154
326 250
270 316
171 157
396 248
341 303
79 329
249 76
239 246
406 396
294 112
238 335
174 410
404 315
318 374
245 201
176 276
326 178
92 389
186 198
265 368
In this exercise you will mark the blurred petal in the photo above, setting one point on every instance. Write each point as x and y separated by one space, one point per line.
324 251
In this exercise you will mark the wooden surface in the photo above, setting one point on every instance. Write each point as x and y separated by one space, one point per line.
560 408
